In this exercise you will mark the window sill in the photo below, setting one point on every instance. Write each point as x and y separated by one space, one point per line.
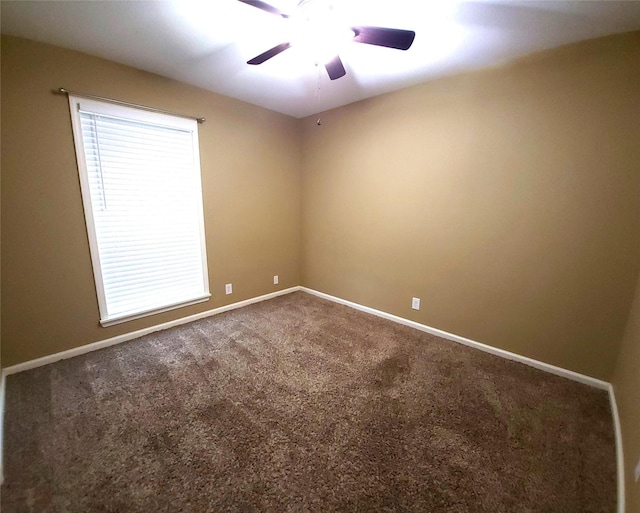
139 315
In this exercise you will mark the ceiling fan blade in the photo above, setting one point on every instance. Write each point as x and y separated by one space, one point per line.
259 59
335 68
379 36
265 7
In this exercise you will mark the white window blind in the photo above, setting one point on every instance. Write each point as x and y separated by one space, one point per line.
141 187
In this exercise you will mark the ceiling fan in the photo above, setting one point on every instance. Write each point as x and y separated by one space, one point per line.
316 26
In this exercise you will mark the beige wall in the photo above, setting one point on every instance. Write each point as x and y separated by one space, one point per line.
507 200
250 166
626 383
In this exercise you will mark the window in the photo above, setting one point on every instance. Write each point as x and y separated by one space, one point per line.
141 190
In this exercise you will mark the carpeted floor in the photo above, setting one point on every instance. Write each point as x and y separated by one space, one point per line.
299 404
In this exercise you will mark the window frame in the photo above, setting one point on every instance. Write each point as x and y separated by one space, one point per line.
144 116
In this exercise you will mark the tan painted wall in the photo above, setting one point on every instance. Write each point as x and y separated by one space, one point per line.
626 383
250 164
507 200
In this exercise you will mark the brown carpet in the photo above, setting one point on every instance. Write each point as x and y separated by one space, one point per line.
299 404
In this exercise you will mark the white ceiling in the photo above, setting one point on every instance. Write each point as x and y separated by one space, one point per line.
207 42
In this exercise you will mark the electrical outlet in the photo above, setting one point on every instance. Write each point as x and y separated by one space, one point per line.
228 288
638 471
415 303
276 280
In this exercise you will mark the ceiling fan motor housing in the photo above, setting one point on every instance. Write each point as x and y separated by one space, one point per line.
317 31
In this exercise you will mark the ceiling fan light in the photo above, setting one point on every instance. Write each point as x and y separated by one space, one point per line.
322 45
317 32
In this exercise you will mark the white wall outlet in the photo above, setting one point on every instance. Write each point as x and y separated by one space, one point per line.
415 303
276 280
638 471
228 288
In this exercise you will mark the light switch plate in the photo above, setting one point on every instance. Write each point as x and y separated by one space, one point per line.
228 288
276 279
415 303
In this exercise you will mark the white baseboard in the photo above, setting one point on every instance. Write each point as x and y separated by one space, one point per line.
552 369
559 371
619 452
3 382
76 351
94 346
